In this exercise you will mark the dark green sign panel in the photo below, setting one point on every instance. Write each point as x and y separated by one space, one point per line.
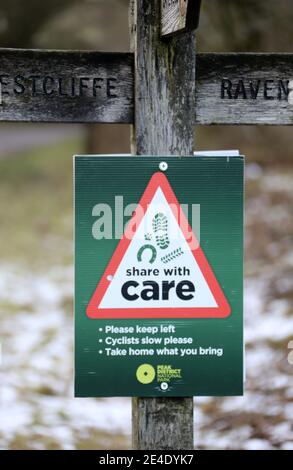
159 276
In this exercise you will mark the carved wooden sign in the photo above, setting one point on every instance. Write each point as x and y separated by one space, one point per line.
179 16
244 89
62 86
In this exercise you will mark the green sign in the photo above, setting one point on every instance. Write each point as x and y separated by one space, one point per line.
159 276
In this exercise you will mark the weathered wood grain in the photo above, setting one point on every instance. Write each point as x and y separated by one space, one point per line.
178 16
162 423
164 88
164 103
244 89
64 86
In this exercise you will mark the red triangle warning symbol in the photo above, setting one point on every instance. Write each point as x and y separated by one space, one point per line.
158 269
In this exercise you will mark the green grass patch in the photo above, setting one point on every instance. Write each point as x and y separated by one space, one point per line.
36 205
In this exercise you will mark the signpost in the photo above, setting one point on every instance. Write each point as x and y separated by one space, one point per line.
66 86
156 89
158 311
164 104
244 89
69 86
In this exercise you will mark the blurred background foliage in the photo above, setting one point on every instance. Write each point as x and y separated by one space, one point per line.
37 408
230 25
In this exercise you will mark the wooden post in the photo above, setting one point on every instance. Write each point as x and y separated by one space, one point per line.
164 125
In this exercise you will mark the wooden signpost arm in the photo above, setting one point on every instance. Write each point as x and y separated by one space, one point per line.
164 125
98 87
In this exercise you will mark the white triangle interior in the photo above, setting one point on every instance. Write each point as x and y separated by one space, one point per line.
186 262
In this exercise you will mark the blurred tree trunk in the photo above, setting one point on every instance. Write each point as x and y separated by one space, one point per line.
106 138
20 20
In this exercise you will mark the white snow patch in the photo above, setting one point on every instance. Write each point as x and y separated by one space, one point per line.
37 354
256 444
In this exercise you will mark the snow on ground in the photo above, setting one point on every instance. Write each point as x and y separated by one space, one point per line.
37 408
36 391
